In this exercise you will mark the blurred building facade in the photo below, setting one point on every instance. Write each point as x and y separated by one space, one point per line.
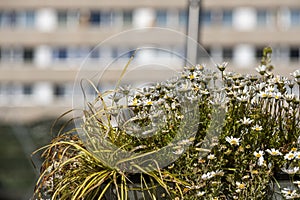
43 42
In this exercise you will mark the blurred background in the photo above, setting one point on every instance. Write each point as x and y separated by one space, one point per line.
42 44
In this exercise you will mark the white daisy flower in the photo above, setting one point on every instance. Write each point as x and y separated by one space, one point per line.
149 103
233 141
208 175
290 193
258 154
260 157
222 66
277 95
289 156
293 170
270 89
261 69
273 152
246 121
296 74
286 191
263 94
257 128
200 193
240 185
211 157
297 183
243 98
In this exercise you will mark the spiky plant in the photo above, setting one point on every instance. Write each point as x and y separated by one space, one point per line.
230 143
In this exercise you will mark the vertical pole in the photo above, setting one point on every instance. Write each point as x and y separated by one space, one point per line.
193 31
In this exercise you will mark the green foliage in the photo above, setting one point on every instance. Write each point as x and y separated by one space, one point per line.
258 136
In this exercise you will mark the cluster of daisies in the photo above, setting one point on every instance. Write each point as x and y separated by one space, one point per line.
232 135
293 154
252 135
259 139
259 135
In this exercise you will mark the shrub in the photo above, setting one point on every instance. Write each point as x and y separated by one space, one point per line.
239 158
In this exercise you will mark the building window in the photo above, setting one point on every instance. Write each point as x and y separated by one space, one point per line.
8 19
115 53
73 18
14 19
29 19
62 18
95 53
12 54
295 17
95 18
259 52
60 54
28 55
1 89
11 18
127 17
106 18
67 18
206 18
294 53
1 19
27 89
261 18
183 18
227 18
161 17
227 53
6 54
59 91
101 18
17 54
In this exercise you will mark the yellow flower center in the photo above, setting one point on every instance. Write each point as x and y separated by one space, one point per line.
241 186
258 155
149 103
233 142
291 156
274 153
135 101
